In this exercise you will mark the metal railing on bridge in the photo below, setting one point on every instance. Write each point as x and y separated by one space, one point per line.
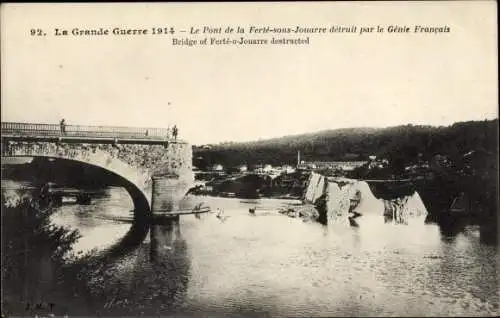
54 130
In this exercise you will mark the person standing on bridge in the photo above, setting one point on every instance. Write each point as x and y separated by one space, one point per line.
175 131
63 126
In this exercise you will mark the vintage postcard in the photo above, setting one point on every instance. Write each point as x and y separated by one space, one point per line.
249 159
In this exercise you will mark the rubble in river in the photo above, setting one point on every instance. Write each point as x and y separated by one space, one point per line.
339 201
404 210
306 212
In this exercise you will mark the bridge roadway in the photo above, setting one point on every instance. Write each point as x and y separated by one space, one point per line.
86 134
155 168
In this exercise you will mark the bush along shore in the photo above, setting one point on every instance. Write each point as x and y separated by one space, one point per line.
42 275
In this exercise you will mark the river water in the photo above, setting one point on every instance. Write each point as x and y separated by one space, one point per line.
271 264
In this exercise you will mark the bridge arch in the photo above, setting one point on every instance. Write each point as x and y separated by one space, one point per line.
135 182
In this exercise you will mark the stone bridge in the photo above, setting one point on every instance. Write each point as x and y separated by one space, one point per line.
153 167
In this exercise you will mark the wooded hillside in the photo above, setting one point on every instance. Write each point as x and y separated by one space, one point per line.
397 143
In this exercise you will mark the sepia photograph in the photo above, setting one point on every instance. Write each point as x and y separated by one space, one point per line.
254 159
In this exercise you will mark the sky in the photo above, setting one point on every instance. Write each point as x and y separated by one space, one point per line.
233 93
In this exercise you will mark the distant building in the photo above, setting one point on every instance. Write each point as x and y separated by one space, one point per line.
287 169
242 168
378 163
263 169
217 167
302 166
306 166
442 160
256 168
348 168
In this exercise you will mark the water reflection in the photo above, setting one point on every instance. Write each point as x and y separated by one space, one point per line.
169 263
450 228
140 275
154 278
272 264
134 238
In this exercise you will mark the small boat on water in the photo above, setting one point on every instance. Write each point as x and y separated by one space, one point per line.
187 211
220 215
61 195
249 201
68 200
228 194
124 219
159 216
